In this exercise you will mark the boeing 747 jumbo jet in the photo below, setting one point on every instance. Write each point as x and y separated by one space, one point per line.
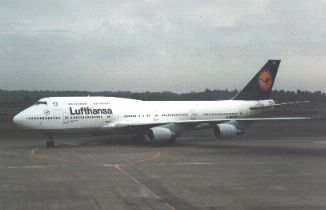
153 121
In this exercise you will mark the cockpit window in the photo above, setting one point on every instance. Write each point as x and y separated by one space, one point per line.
40 102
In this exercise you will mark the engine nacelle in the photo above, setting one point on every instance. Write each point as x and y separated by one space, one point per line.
225 131
160 135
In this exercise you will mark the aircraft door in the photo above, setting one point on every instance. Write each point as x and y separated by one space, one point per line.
156 115
193 114
65 118
109 118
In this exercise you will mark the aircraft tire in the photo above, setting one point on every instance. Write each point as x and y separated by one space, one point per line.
138 138
50 143
172 140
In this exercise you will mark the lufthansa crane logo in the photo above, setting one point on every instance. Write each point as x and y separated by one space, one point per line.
265 80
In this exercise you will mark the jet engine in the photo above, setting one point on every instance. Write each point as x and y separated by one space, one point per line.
225 131
159 134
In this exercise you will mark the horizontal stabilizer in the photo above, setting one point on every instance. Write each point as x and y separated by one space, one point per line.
274 105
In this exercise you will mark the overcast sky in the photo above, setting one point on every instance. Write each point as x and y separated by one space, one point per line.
158 45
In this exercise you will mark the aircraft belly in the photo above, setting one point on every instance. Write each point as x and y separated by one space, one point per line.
75 131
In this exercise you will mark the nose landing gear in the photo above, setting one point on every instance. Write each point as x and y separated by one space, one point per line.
50 142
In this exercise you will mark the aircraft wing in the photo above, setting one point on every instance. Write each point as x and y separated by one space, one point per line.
144 125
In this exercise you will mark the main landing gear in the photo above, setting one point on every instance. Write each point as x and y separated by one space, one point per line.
50 142
138 138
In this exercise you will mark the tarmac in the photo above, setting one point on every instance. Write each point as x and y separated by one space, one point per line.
274 166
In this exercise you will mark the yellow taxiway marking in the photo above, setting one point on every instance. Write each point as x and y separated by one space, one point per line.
118 167
143 186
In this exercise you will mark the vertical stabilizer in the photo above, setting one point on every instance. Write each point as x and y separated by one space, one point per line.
260 86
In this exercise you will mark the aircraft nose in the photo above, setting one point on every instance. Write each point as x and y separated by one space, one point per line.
18 119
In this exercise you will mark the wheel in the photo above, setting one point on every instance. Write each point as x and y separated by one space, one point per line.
138 138
50 143
172 140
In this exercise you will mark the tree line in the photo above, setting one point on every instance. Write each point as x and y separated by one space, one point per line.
23 98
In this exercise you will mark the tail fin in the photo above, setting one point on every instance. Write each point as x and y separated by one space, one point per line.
260 87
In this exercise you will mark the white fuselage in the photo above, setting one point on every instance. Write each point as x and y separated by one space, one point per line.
94 115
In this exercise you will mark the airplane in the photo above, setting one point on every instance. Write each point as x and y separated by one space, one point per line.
154 121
